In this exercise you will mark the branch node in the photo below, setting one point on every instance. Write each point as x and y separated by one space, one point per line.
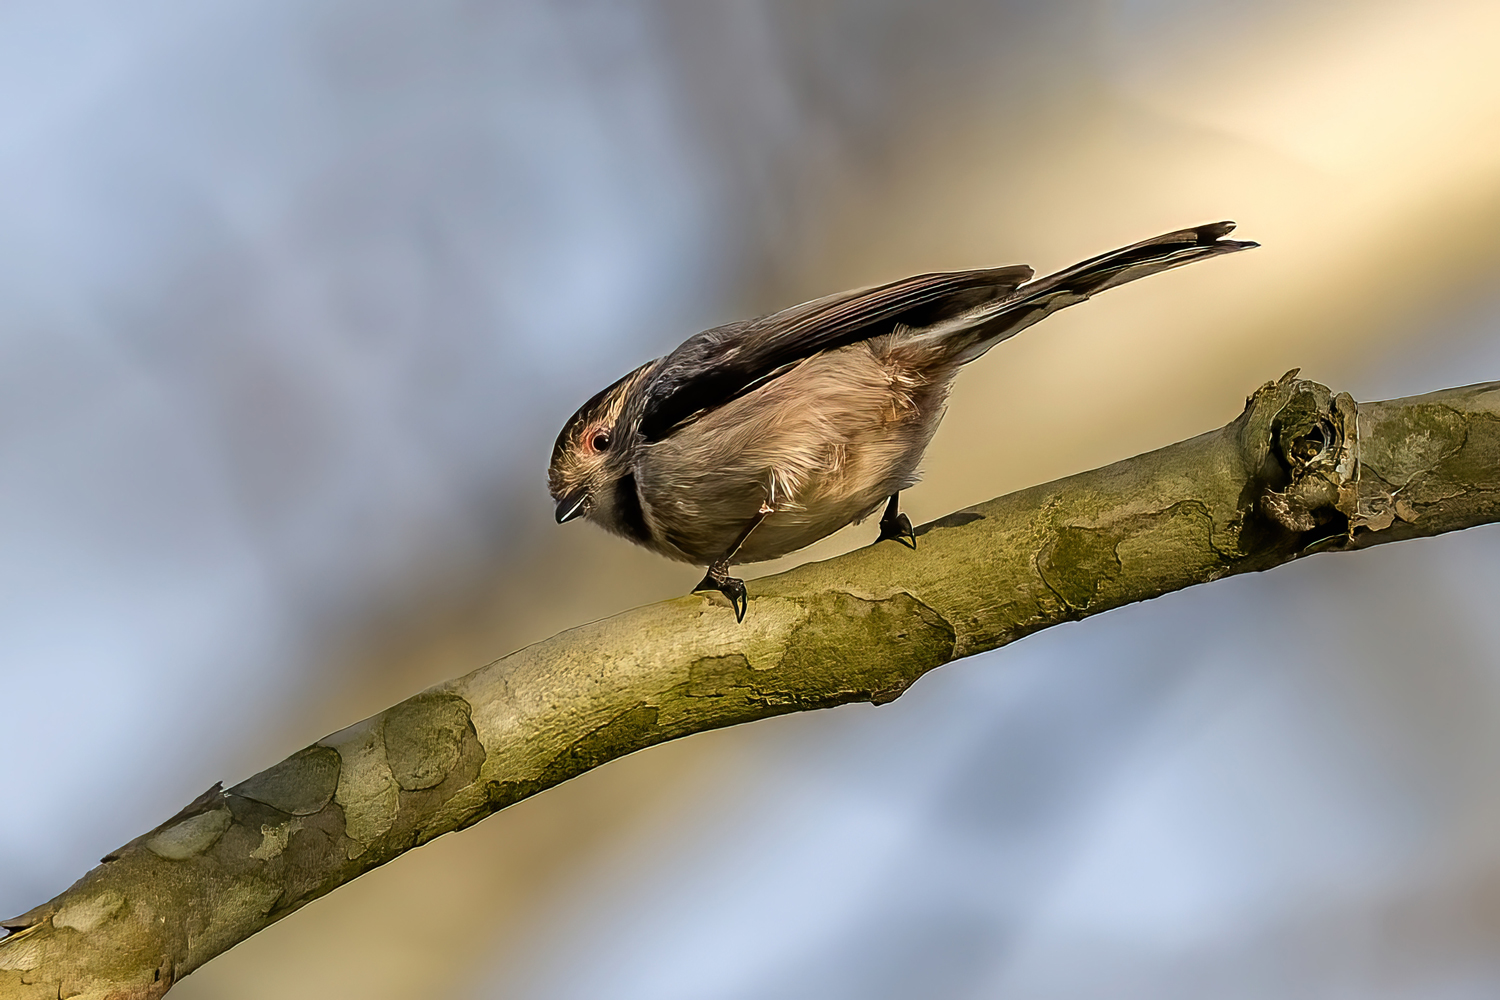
1314 441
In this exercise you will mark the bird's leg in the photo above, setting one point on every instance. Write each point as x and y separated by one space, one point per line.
718 577
894 524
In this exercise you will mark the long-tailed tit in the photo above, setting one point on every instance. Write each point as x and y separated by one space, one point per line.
756 438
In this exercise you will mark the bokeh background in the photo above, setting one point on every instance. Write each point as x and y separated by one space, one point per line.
295 293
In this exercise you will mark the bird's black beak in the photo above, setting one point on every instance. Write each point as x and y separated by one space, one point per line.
570 505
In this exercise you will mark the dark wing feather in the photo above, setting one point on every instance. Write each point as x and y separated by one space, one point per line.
713 367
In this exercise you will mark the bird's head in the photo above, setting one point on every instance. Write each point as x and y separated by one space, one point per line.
592 452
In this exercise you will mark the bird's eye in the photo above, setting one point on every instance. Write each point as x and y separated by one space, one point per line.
601 441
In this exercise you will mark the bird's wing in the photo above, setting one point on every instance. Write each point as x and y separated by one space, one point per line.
718 365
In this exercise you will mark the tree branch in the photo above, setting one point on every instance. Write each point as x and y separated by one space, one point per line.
1301 470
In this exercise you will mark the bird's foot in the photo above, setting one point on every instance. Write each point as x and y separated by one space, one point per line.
894 524
898 528
718 578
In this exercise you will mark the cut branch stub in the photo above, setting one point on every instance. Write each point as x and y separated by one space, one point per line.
1314 438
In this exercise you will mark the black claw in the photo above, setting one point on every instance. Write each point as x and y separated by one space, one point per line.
735 591
898 528
731 587
894 524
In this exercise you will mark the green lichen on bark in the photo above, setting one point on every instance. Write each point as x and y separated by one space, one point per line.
301 785
1301 470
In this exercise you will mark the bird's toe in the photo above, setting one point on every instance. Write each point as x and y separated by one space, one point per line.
898 528
732 588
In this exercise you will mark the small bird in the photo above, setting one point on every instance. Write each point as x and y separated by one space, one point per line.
756 438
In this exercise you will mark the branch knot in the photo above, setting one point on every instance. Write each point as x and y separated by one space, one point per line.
1314 439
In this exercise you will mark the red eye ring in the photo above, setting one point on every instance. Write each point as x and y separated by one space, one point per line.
600 441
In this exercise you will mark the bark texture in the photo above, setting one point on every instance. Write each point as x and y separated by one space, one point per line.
1302 470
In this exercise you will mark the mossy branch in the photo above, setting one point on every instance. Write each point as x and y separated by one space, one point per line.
1302 470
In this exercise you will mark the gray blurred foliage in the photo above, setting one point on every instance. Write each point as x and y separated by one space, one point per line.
294 296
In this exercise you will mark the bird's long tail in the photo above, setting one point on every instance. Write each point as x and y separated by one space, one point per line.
985 327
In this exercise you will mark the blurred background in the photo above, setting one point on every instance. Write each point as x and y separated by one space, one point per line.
294 296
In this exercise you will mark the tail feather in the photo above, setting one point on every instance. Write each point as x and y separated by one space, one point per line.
1038 299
